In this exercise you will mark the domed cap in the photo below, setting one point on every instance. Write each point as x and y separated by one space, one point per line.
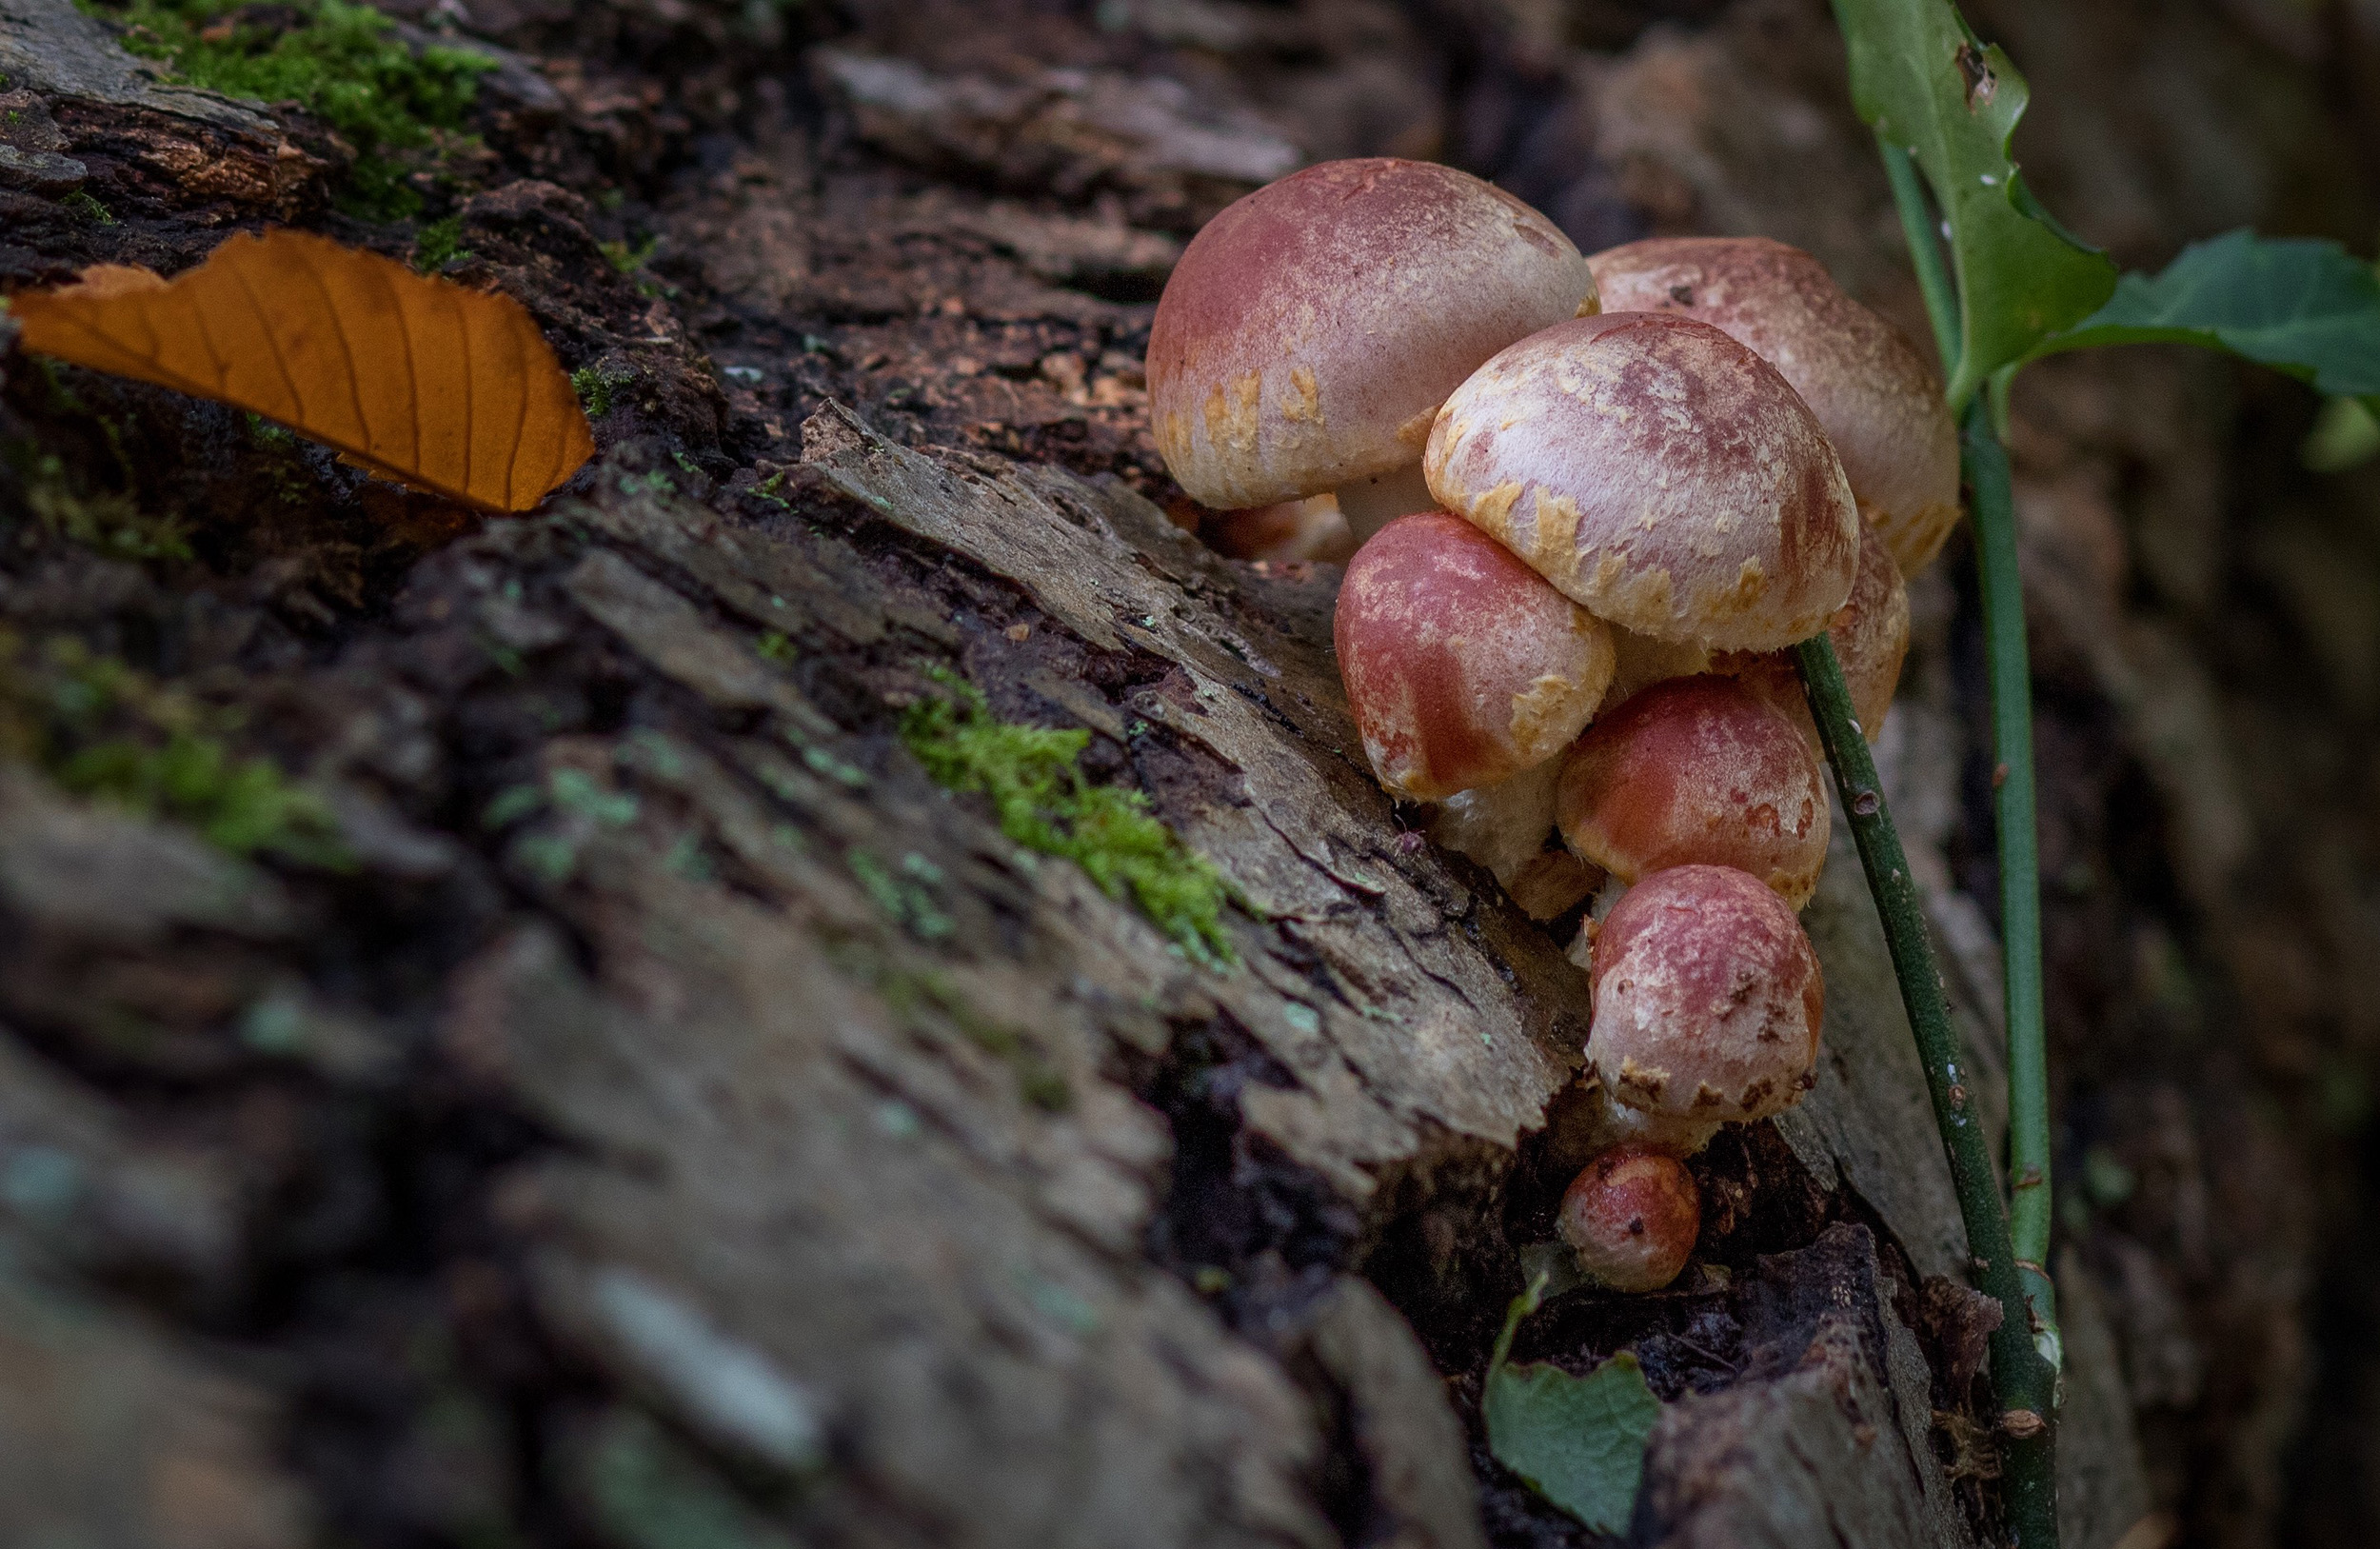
1880 404
1659 472
1708 998
1312 329
1631 1217
1698 770
1462 667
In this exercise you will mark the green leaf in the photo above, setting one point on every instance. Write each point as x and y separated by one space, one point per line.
1920 77
2306 308
1577 1440
2345 436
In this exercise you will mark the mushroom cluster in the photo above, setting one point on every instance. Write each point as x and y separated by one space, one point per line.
1597 499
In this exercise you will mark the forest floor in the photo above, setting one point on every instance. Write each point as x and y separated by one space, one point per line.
480 1001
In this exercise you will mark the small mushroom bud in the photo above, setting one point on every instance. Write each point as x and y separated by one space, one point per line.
1871 637
1462 667
1863 378
1659 473
1631 1217
1310 331
1707 999
1697 771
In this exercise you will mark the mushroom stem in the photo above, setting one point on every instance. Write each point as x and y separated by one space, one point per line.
2020 1378
1597 1123
1372 504
1506 827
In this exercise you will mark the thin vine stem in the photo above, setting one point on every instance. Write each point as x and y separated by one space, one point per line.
2021 1379
2008 670
1925 252
1993 515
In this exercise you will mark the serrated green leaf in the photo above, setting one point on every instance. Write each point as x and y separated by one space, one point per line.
2306 308
1923 80
1578 1441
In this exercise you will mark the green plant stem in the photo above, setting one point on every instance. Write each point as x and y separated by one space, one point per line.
1925 252
2010 670
2022 1382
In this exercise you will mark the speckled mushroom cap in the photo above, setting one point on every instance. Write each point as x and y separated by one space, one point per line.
1462 667
1708 998
1880 404
1659 473
1630 1217
1310 331
1698 770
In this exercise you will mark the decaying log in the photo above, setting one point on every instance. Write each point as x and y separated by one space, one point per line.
926 1193
786 1156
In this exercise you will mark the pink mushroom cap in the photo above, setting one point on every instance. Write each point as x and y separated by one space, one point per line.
1659 473
1697 771
1871 637
1310 331
1630 1217
1881 404
1708 998
1462 667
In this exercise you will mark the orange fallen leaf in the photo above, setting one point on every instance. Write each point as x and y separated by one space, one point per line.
417 379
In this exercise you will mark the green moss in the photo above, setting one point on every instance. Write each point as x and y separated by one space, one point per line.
438 244
583 803
88 208
341 65
650 1493
1036 786
595 385
103 729
630 260
904 897
111 523
915 996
